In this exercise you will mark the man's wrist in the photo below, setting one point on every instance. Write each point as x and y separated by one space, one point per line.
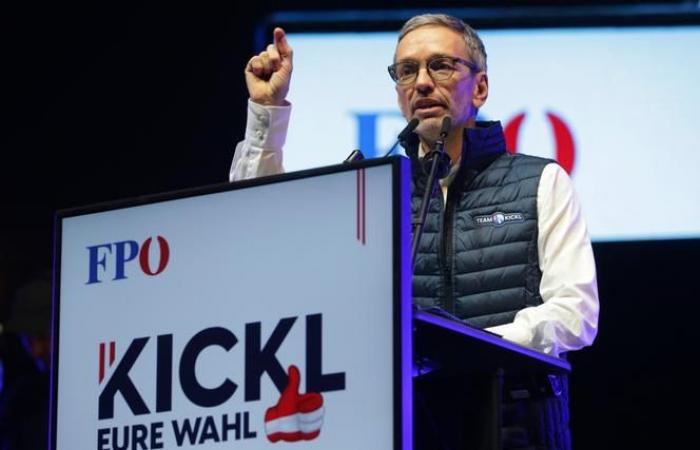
267 125
270 103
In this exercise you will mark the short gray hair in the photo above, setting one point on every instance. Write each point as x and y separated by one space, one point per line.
477 52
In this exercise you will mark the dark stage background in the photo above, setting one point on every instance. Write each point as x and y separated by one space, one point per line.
125 99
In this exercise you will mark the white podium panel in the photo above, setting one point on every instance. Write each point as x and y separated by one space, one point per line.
241 316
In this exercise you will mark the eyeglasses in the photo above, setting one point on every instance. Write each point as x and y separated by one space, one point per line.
440 69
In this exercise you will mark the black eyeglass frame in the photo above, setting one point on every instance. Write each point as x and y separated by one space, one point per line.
394 76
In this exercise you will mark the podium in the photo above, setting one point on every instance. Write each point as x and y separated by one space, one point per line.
250 314
455 348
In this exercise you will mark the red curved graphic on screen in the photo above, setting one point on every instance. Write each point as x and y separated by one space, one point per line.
566 152
512 131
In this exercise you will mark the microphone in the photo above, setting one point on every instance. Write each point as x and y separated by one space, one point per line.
443 160
439 163
356 155
445 128
408 129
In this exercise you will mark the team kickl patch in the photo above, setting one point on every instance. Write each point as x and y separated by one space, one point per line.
499 219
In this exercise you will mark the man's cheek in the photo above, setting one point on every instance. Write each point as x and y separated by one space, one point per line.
405 109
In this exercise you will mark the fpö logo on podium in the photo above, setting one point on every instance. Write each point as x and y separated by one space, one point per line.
166 389
109 260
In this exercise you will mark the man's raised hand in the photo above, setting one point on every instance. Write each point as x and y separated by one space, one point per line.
267 74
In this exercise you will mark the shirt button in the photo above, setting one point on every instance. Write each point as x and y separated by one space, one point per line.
259 134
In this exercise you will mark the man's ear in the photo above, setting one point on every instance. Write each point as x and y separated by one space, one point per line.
481 89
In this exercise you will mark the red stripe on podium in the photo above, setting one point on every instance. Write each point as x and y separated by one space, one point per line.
357 205
101 373
362 201
360 221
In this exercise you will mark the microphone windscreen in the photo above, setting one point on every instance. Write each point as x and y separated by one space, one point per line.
408 129
446 125
355 155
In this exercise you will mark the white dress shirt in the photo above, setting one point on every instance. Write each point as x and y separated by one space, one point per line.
568 317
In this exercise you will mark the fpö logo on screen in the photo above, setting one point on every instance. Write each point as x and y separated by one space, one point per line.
153 417
112 258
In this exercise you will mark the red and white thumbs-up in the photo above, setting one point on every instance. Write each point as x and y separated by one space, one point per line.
296 416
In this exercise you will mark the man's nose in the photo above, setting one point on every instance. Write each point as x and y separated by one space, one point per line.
424 82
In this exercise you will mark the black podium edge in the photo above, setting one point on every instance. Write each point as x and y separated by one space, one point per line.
403 305
556 364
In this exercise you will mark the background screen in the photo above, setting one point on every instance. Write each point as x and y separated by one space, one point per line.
625 100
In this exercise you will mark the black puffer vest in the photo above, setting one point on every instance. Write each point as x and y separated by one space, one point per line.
478 254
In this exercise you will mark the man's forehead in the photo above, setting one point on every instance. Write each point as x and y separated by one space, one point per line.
430 41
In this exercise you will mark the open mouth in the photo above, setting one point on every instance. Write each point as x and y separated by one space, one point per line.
429 110
424 108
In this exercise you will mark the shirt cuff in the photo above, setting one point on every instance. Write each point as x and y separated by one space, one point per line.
267 125
513 333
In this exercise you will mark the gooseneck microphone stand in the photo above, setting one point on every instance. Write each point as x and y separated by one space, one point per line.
438 159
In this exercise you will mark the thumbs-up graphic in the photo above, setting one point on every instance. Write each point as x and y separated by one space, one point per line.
296 416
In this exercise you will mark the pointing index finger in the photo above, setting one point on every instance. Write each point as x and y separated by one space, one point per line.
280 41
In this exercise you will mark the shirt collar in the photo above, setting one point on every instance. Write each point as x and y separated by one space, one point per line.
481 145
484 140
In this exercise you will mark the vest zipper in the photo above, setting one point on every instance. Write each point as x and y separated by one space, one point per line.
447 248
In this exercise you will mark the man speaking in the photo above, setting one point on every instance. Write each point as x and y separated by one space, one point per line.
505 247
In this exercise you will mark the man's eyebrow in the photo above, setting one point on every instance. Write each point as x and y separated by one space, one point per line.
439 55
431 57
